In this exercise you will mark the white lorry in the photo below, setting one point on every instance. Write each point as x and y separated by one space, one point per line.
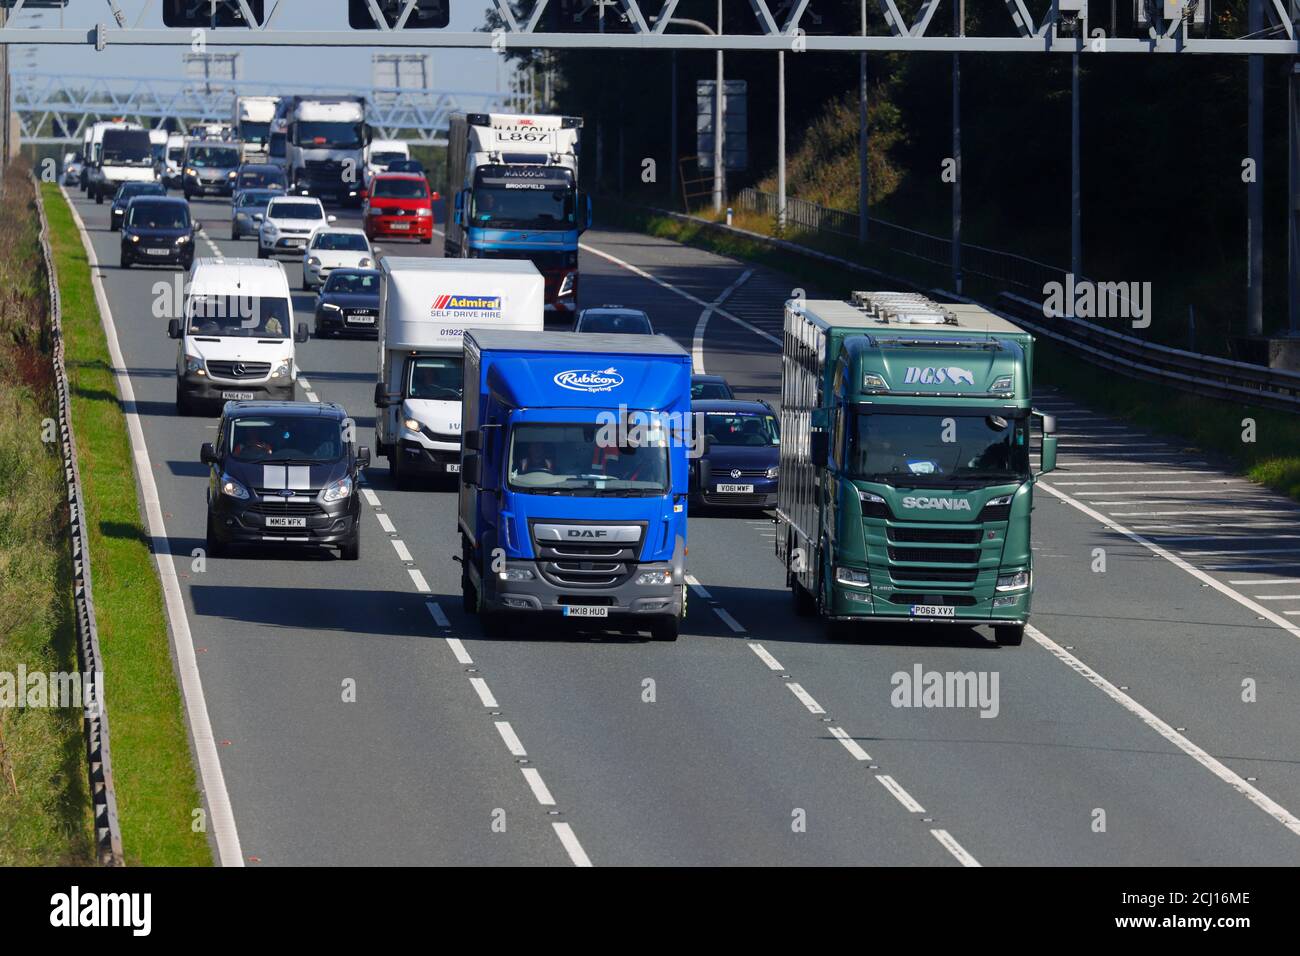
91 138
425 306
121 154
326 146
253 116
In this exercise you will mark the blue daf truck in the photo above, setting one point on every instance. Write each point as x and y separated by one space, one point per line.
574 479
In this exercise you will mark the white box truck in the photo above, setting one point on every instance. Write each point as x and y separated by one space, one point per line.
253 115
121 155
325 146
425 306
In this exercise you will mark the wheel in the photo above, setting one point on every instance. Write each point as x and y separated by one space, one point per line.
305 286
396 472
183 406
261 253
216 548
664 628
1009 635
428 241
112 225
350 550
234 236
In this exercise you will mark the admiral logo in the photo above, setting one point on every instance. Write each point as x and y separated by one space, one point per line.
446 302
938 376
589 380
942 504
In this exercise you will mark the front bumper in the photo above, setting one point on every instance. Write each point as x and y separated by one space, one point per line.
417 459
138 252
208 187
294 244
327 320
249 521
539 595
204 389
892 604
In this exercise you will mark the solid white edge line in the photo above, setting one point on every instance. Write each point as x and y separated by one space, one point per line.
224 831
511 739
439 618
901 795
538 786
484 692
730 621
765 656
851 745
956 849
458 649
571 845
1258 609
421 585
805 698
1266 803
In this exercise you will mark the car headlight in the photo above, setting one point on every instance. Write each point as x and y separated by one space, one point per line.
313 261
282 370
134 237
655 577
515 574
194 365
423 213
411 425
772 472
191 171
232 488
365 264
1014 582
181 240
852 577
338 491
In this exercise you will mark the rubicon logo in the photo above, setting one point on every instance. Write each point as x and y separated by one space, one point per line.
941 504
938 376
589 380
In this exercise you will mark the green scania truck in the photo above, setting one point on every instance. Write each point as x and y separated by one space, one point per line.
906 466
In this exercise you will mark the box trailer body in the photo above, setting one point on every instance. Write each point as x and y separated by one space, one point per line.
252 122
512 181
574 478
425 306
122 154
325 146
906 477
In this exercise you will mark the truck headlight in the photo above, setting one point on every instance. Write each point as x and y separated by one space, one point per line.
868 498
999 501
364 264
772 472
232 488
852 577
515 574
338 491
1014 582
194 365
566 286
655 577
411 424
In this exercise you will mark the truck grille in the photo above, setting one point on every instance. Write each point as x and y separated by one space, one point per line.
917 597
935 535
239 371
935 555
588 564
903 574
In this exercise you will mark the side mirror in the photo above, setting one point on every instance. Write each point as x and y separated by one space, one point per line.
173 328
331 218
472 440
301 334
208 454
1049 424
363 456
819 447
382 398
471 470
1048 460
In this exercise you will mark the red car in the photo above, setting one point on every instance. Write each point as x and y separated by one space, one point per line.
399 206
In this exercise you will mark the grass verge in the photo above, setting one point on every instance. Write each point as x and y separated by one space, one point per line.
45 815
157 792
1272 459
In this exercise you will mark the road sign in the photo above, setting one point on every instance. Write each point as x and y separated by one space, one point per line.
735 114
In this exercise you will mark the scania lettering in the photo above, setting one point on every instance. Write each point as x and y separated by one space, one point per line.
565 513
906 465
513 183
425 306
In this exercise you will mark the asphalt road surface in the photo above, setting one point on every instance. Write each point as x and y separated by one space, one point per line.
1149 718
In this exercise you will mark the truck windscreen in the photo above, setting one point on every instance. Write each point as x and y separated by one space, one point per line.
937 448
251 132
127 147
439 378
329 135
554 459
506 207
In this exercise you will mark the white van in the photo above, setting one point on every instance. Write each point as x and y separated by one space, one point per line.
381 152
174 164
237 336
425 306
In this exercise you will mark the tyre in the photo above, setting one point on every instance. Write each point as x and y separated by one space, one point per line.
428 241
664 628
350 550
396 472
112 224
184 407
1009 635
216 548
261 253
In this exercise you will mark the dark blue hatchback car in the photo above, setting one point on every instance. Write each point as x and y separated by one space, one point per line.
742 446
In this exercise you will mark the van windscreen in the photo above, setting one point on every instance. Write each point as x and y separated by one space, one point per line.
254 317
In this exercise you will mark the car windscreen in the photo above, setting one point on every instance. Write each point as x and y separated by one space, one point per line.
435 377
615 322
256 197
340 242
400 189
742 429
710 391
158 215
214 157
176 154
127 190
937 448
254 317
352 283
562 459
292 439
260 177
295 210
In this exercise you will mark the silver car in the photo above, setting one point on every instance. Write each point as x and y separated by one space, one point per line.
247 209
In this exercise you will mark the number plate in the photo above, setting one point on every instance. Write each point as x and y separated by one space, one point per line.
401 225
158 252
295 243
278 521
238 396
735 489
933 610
585 610
361 319
453 469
